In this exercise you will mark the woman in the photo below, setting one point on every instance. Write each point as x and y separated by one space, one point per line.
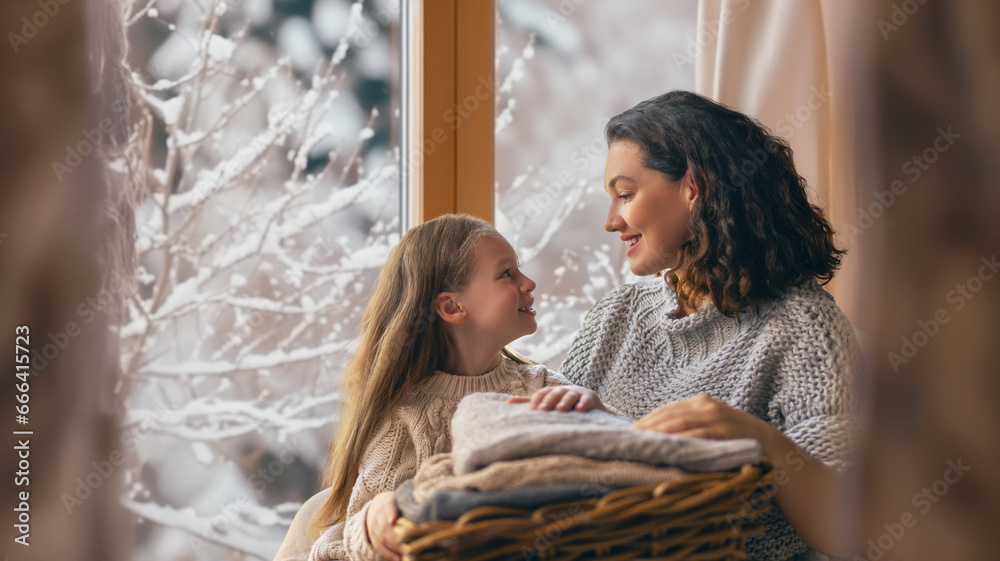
736 339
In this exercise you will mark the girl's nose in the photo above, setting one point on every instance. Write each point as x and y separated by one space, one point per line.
529 284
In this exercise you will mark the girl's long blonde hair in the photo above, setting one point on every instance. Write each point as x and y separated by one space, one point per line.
402 343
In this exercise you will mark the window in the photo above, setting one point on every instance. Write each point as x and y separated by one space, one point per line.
271 147
564 70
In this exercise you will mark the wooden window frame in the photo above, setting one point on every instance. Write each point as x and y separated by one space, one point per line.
448 108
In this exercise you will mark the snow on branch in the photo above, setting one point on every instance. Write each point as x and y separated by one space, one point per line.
272 201
205 529
289 414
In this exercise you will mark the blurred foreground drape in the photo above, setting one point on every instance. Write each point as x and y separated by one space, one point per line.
932 279
58 244
904 153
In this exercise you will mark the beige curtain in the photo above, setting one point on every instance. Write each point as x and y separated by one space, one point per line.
784 62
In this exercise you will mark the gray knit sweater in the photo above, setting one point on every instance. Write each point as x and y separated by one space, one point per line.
790 363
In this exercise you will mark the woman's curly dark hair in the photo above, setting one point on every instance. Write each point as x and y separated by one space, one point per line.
753 231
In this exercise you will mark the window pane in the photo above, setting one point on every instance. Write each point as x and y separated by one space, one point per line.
273 198
565 68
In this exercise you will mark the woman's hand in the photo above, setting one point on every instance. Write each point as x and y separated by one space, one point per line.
703 417
804 481
382 515
561 398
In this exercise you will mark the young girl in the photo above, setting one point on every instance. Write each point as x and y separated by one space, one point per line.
447 302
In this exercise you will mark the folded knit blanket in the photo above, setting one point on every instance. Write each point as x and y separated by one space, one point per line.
591 476
487 429
448 504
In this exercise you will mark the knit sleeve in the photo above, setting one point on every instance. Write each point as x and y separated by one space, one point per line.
585 363
553 378
816 398
388 461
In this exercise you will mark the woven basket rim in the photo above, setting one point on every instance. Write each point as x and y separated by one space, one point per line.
696 516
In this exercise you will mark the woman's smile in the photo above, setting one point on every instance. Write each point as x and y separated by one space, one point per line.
630 243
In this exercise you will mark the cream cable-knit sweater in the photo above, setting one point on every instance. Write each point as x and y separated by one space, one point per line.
790 363
413 432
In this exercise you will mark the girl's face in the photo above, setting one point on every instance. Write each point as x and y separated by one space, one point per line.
498 297
649 211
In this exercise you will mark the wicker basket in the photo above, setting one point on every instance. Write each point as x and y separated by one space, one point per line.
697 517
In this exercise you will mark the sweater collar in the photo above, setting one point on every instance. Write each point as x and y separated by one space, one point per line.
453 386
709 312
671 319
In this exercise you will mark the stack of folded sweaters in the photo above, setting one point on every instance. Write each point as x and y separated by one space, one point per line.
506 454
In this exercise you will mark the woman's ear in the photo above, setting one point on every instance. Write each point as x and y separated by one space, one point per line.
449 309
690 189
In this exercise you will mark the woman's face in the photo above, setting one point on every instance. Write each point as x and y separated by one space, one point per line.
649 211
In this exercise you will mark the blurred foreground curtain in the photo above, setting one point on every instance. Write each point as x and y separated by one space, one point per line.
903 150
785 62
932 279
59 242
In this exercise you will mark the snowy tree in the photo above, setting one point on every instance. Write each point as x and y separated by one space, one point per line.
271 202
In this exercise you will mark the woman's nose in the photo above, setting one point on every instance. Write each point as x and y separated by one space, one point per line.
613 221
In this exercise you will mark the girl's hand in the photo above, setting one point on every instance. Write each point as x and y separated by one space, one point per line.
382 514
703 417
562 398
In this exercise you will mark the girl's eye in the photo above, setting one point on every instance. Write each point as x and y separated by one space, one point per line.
625 196
505 274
